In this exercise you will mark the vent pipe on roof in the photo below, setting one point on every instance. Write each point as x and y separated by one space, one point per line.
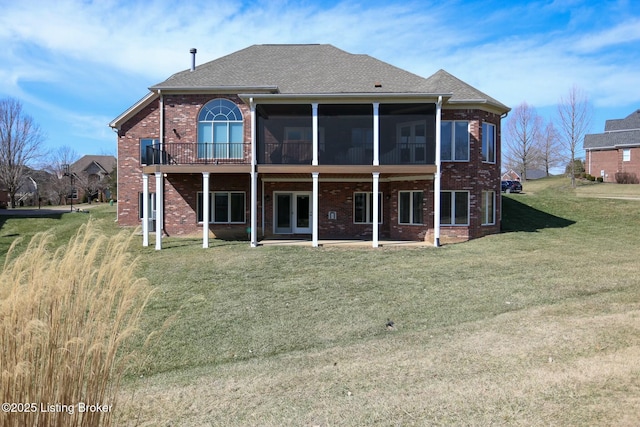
193 52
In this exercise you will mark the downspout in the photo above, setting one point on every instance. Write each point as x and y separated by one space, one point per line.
436 183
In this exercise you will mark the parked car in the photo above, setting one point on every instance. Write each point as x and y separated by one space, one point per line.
511 187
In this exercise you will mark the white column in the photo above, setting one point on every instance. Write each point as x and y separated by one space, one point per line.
436 182
205 209
254 179
314 210
254 208
376 133
375 213
159 210
314 124
145 209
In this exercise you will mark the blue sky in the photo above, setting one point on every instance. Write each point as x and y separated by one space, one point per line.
77 64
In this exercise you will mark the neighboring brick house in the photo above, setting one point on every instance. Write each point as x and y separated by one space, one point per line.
310 141
615 151
511 175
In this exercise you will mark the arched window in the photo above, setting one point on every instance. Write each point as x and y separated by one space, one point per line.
220 130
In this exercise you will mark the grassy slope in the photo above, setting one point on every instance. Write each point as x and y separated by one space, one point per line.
536 326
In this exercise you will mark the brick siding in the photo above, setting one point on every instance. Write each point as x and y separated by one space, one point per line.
610 161
181 190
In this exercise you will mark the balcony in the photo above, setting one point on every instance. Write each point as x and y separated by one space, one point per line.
198 154
289 153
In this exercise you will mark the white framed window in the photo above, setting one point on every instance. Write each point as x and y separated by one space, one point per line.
220 130
225 207
363 208
454 208
626 155
410 207
488 208
151 205
146 150
454 138
488 143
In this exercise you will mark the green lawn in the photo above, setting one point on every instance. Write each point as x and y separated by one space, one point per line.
539 325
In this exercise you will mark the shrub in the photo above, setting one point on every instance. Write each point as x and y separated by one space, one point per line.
626 178
64 315
600 179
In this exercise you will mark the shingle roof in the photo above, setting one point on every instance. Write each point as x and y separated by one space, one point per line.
298 69
317 69
105 162
311 69
462 92
618 132
612 139
632 121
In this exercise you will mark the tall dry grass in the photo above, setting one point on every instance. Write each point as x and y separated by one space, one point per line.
64 315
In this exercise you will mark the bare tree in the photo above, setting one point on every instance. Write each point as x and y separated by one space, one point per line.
575 114
20 144
62 156
550 148
523 134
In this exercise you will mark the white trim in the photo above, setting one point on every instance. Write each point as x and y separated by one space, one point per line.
314 133
314 210
437 178
205 210
453 140
376 134
453 210
411 207
376 197
483 207
133 110
254 182
159 210
380 202
495 128
212 207
293 195
145 209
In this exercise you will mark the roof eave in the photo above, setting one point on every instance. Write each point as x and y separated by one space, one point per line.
214 89
494 106
133 110
305 97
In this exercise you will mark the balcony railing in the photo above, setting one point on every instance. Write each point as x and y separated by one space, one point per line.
198 154
289 153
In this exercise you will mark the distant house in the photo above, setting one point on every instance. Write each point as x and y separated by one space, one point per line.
511 175
90 173
312 142
615 151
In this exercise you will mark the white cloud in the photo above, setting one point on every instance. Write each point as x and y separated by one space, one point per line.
107 53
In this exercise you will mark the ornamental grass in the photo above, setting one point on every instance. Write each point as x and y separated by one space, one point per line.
65 314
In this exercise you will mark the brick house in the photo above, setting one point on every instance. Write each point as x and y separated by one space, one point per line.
312 142
617 150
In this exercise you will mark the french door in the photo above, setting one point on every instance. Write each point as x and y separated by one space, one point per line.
292 213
